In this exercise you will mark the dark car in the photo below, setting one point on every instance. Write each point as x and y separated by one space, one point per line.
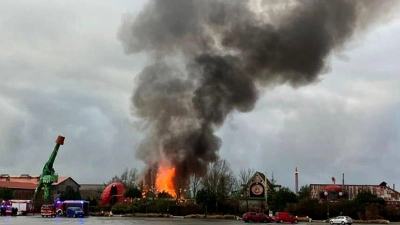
75 212
250 217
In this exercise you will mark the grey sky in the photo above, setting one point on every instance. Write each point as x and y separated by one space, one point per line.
63 71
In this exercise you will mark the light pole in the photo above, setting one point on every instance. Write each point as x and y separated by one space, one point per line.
340 196
145 203
178 196
327 204
236 198
245 193
247 202
153 192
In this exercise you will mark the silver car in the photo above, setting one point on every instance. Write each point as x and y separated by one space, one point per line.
341 220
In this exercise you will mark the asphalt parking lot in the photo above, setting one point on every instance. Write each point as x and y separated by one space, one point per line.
38 220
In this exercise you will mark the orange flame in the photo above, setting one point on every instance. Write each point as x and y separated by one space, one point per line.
164 181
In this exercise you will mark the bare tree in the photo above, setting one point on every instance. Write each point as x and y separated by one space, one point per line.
128 178
194 184
115 179
151 177
245 175
219 179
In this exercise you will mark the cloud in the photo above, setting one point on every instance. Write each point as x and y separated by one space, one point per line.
63 71
348 122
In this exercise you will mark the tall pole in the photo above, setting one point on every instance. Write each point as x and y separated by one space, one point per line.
327 204
247 201
343 183
296 177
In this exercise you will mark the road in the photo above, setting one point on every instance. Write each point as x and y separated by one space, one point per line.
38 220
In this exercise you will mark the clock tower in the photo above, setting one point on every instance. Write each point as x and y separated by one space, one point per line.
255 192
257 187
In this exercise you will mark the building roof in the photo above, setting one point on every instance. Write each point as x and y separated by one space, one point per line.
92 186
26 181
17 185
380 190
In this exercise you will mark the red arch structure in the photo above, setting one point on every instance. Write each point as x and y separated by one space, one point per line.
113 193
335 188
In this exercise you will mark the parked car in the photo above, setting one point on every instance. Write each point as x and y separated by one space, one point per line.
250 217
48 210
75 212
341 220
282 217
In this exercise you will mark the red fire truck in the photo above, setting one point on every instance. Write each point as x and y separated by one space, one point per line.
24 206
62 206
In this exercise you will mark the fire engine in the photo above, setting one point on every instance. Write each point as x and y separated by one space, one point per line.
24 206
62 206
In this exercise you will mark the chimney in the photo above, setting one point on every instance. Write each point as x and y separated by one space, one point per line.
394 187
5 176
25 175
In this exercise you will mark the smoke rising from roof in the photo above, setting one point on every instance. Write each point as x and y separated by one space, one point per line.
210 57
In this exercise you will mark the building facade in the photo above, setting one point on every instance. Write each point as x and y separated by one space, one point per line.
24 185
92 191
254 194
333 192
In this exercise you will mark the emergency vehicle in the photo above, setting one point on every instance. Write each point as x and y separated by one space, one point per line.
24 206
62 206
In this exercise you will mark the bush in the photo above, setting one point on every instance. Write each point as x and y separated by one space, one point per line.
121 208
94 209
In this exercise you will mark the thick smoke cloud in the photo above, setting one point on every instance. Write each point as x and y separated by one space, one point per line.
211 57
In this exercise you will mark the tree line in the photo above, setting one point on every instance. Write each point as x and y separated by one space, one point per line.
219 191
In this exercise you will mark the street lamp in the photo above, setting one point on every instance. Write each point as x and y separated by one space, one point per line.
246 194
327 204
153 192
340 196
247 202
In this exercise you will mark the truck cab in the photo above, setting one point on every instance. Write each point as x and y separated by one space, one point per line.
48 210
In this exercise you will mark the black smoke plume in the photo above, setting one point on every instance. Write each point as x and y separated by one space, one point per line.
210 57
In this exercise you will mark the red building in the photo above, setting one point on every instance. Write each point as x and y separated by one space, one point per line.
334 192
24 185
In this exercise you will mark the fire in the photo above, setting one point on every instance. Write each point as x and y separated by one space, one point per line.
164 181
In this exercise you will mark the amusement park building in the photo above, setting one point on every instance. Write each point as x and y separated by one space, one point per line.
92 191
253 195
333 192
24 185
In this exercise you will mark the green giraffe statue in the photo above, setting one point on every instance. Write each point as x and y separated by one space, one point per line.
48 175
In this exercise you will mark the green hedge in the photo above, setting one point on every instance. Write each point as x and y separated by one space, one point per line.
122 208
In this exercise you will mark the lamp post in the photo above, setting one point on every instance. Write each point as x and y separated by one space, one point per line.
327 204
245 194
178 196
146 204
153 192
235 197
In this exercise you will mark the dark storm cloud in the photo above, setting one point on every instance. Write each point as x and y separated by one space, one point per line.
225 50
63 73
